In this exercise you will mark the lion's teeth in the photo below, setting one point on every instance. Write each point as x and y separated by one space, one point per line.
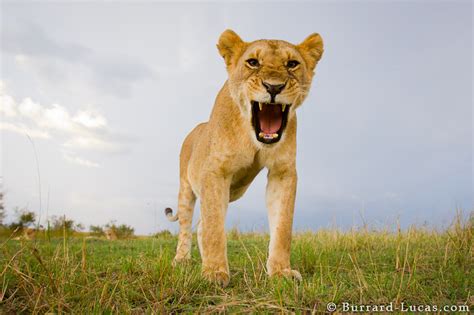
283 106
260 105
263 135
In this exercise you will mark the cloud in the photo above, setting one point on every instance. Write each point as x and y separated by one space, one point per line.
93 144
22 60
8 106
71 157
35 50
53 117
90 119
85 130
24 130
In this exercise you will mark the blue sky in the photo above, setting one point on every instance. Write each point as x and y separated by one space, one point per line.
386 132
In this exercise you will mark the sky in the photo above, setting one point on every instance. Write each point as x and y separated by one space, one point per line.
105 93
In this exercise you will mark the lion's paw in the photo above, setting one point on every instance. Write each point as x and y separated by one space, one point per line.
219 277
292 273
181 261
288 273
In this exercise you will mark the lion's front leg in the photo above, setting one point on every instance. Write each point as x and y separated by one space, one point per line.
213 246
281 191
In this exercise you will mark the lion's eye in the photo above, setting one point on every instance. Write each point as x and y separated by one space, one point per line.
292 64
253 62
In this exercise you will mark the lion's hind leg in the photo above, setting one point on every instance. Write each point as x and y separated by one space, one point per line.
186 202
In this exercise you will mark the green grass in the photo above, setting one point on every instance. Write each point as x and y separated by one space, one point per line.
417 266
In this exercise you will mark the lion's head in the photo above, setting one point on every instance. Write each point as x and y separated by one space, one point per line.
269 79
29 233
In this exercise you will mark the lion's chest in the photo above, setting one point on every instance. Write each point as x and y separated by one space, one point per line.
246 172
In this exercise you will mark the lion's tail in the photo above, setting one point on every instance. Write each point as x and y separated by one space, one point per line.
170 216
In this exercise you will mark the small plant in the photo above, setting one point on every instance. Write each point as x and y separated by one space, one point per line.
164 234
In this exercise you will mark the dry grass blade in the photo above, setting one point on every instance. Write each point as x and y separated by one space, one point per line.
53 284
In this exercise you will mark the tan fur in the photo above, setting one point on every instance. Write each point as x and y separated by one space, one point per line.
110 234
220 158
29 234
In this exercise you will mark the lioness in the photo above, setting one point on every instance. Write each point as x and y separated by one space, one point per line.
29 234
110 234
252 126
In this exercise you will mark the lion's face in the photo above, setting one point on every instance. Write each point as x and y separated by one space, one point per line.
269 79
29 233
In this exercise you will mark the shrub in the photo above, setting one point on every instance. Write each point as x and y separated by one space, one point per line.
59 225
25 218
165 234
96 230
122 230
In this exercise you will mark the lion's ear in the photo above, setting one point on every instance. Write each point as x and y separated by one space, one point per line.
229 45
312 49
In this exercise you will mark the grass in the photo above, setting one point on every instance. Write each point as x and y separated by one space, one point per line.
74 275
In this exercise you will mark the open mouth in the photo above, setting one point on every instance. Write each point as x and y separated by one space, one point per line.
269 120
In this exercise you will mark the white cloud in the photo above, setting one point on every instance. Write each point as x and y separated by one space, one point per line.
93 144
57 117
72 158
29 109
53 117
24 130
85 130
7 103
21 59
90 119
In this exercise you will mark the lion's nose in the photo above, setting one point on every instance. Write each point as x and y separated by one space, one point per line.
273 89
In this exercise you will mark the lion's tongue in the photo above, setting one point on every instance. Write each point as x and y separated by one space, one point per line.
270 118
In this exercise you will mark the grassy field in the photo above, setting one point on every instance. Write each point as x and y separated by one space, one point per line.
417 267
